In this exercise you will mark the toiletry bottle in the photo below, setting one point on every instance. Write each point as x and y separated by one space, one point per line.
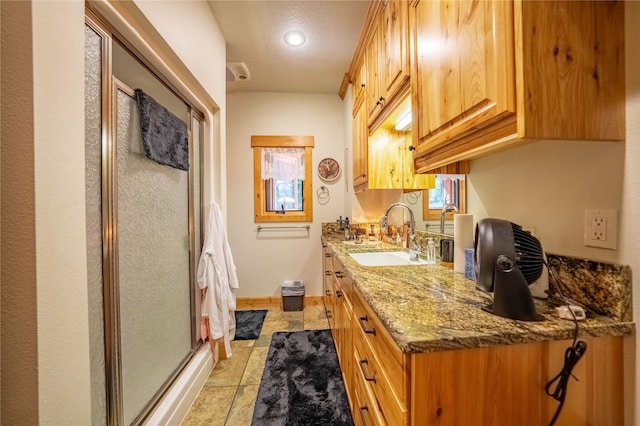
346 229
372 233
431 252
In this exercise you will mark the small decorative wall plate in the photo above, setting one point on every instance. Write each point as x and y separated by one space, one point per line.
328 169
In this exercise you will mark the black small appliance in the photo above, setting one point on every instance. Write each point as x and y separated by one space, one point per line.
507 259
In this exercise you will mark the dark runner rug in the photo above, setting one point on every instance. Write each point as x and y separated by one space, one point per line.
249 324
302 382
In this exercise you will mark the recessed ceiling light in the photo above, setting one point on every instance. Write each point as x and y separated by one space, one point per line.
294 38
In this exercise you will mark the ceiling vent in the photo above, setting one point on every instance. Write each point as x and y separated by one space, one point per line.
237 71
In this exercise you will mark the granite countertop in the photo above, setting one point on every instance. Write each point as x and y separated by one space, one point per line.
429 308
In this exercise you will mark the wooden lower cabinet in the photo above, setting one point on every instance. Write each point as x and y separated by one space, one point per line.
505 385
498 385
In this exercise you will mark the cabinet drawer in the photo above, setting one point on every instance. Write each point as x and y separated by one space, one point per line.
369 370
365 409
382 344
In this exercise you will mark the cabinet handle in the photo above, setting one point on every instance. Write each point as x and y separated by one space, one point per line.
339 274
363 320
368 377
381 99
327 292
327 272
412 148
338 293
364 416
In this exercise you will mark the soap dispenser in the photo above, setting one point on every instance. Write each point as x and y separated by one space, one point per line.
431 252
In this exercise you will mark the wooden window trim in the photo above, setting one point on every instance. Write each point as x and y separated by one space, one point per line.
261 215
434 214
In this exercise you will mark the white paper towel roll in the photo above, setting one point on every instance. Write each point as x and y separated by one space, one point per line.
462 239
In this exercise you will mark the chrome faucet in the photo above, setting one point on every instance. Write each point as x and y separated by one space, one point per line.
447 208
384 222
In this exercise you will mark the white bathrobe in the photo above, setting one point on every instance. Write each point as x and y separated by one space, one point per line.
218 280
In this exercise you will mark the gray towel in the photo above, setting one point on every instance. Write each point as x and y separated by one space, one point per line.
164 135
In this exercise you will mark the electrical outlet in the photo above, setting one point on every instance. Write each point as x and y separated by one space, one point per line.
600 228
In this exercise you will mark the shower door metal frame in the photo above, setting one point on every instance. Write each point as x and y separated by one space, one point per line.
111 296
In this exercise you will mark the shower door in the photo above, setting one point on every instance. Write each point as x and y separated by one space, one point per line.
143 238
153 263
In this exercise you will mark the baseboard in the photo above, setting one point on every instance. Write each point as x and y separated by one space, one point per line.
272 301
176 403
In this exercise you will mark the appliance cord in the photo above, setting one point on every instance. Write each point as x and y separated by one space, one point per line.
572 355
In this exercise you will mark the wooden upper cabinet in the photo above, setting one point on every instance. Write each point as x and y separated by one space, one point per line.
395 42
387 59
463 72
359 85
571 70
360 148
373 94
487 74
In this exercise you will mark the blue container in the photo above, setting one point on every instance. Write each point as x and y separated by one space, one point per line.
469 264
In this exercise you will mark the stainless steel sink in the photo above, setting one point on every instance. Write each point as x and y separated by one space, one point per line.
385 258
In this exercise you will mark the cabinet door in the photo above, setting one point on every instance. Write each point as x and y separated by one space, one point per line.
463 74
374 99
360 149
358 86
395 47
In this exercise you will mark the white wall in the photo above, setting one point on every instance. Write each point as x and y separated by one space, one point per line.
548 185
267 258
63 337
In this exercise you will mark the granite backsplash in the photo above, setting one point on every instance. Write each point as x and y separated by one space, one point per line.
604 288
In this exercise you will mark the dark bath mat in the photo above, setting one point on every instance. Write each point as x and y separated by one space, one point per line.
302 382
249 324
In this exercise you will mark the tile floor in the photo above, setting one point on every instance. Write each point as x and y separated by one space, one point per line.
228 396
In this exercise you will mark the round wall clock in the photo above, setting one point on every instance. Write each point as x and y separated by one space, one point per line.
328 169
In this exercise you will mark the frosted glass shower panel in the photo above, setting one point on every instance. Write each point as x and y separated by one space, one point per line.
153 262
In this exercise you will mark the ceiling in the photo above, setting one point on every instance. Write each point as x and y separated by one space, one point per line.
254 33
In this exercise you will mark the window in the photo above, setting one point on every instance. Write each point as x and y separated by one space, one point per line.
282 178
449 189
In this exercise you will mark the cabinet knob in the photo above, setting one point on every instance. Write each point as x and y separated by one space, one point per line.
364 175
412 148
339 293
327 272
339 274
381 99
327 292
363 85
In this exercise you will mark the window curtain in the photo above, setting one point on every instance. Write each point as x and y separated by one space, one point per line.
283 163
